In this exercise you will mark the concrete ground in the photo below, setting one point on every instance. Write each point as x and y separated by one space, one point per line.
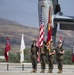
16 69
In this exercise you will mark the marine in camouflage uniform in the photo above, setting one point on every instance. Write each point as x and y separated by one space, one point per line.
50 54
43 50
59 56
34 50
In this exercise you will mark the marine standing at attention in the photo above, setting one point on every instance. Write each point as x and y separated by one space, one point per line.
50 54
43 51
59 56
34 50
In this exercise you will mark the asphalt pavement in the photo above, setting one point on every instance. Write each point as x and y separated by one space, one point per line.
20 69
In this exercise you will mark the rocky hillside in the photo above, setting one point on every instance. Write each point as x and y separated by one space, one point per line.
15 30
15 33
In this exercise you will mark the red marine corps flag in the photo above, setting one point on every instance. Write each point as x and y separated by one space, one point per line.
7 48
49 32
61 39
73 53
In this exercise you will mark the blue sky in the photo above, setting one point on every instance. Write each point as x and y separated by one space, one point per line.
26 11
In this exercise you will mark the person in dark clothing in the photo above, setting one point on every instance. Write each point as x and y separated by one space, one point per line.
51 53
43 51
34 50
59 56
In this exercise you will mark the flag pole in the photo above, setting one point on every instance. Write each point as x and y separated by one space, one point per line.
8 62
22 66
73 53
7 66
7 49
22 47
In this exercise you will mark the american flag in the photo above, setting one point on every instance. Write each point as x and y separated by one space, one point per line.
41 35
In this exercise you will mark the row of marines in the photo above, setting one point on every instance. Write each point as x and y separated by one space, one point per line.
47 52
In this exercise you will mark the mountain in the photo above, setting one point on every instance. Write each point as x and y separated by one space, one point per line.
15 30
8 22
